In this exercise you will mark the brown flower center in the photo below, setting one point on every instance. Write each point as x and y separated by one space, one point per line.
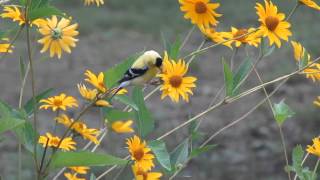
138 154
57 102
176 81
200 7
240 34
272 22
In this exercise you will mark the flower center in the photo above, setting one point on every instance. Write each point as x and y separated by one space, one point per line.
200 7
138 154
55 141
240 35
56 33
57 102
272 22
176 81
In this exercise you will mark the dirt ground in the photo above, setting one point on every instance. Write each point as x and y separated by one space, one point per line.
249 150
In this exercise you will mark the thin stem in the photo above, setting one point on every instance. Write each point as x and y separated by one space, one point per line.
315 168
187 37
121 171
44 154
193 57
283 142
293 10
244 116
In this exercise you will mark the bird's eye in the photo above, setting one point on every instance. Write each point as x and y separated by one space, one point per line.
159 62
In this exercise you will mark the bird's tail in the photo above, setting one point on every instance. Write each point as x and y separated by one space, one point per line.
115 90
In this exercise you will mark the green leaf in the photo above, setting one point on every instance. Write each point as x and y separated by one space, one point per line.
114 74
127 101
240 75
145 121
266 49
180 155
9 123
92 177
297 158
44 11
28 107
198 151
160 151
67 159
112 115
282 112
174 49
228 78
27 135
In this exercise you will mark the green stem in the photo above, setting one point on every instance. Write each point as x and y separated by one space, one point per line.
315 168
293 10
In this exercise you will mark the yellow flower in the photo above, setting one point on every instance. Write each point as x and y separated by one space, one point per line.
175 84
299 51
67 143
61 101
122 127
58 36
141 174
315 148
273 24
200 12
64 119
313 71
5 47
217 37
91 94
140 153
70 176
17 14
251 39
310 3
80 169
317 101
85 132
98 82
89 2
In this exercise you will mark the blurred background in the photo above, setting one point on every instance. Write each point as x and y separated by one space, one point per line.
250 150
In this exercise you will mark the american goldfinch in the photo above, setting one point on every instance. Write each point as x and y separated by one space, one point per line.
142 71
145 68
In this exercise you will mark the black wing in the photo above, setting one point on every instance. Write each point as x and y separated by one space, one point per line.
133 73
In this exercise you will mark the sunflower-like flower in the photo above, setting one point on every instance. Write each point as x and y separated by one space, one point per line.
17 14
5 47
67 143
80 169
74 176
311 72
97 2
273 24
87 133
175 84
315 147
240 38
141 174
98 82
64 120
91 94
200 12
140 153
61 101
58 36
311 4
122 127
217 37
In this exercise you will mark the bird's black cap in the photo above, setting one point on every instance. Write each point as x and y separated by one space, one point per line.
159 62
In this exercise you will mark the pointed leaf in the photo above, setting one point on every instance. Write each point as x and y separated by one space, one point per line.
28 107
27 135
228 78
282 112
198 151
160 151
9 123
112 115
67 159
144 119
45 11
127 101
241 73
180 154
174 50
